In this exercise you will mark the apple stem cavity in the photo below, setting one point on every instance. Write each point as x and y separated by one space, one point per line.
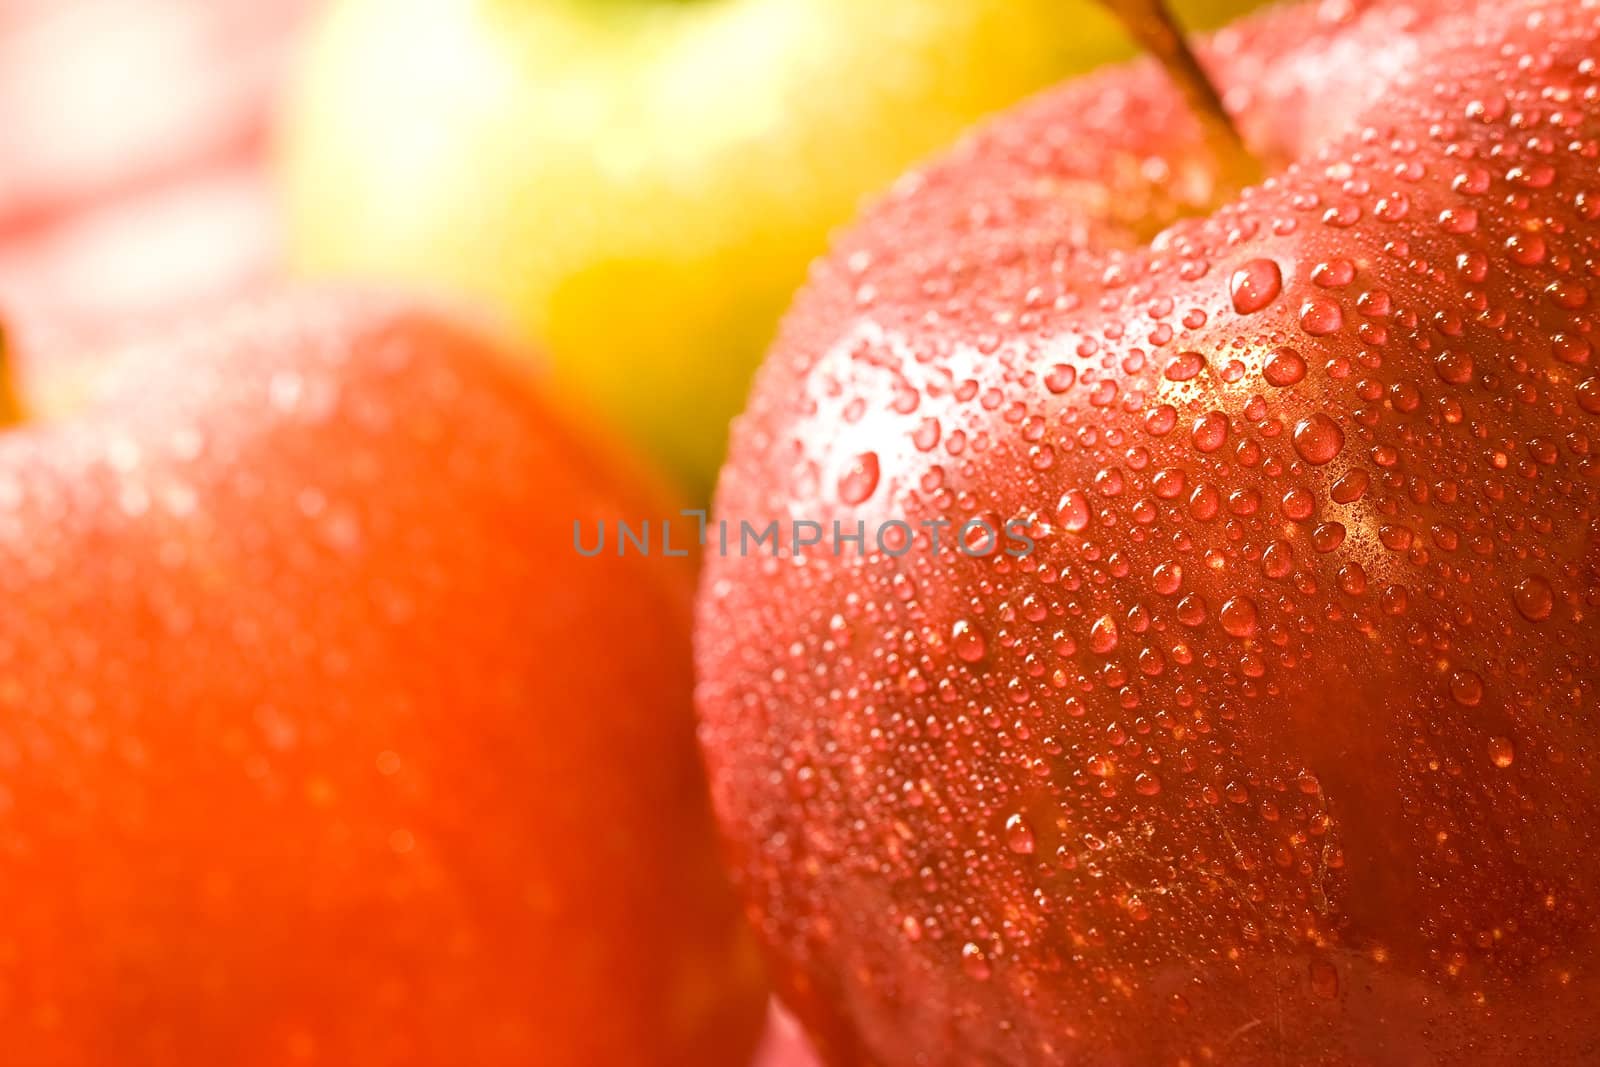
1152 25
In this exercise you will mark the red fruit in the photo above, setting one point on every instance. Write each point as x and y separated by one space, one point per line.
318 741
1279 747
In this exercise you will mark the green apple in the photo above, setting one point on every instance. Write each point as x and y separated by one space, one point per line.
638 185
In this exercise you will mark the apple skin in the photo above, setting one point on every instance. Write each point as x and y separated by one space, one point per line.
320 744
102 98
124 264
1280 746
639 186
135 187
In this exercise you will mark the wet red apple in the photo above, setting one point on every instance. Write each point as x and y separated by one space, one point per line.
319 743
1279 747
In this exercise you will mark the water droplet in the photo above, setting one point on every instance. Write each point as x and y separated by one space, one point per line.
1327 536
1351 487
967 641
1073 510
1502 753
1589 395
1238 617
860 479
1167 578
1019 836
1320 316
1210 431
1453 367
1284 367
1060 378
1255 285
1565 293
1318 439
1466 688
1184 366
1534 598
974 962
1103 634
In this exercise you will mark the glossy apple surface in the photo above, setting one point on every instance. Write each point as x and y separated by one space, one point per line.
640 185
318 742
1280 745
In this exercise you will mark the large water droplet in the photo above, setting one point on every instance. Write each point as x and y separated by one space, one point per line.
1073 510
974 962
860 479
1103 634
1238 616
1466 688
1318 439
1019 836
1534 598
1283 368
1255 285
967 641
1210 431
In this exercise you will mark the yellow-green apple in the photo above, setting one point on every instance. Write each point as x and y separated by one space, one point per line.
1276 744
639 185
319 744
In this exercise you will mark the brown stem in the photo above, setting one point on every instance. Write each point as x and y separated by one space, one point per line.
1152 25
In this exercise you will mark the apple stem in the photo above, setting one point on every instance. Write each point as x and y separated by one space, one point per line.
1151 23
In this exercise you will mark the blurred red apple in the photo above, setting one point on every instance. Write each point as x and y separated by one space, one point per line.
1279 746
320 744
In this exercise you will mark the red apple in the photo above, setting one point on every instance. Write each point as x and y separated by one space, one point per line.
1279 745
319 743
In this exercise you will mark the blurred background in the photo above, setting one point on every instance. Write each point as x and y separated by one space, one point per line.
634 188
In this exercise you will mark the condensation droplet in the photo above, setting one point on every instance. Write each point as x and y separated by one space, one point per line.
1283 368
1238 616
1534 598
1019 836
860 479
1073 510
1318 439
974 962
1466 688
1103 634
967 641
1255 285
